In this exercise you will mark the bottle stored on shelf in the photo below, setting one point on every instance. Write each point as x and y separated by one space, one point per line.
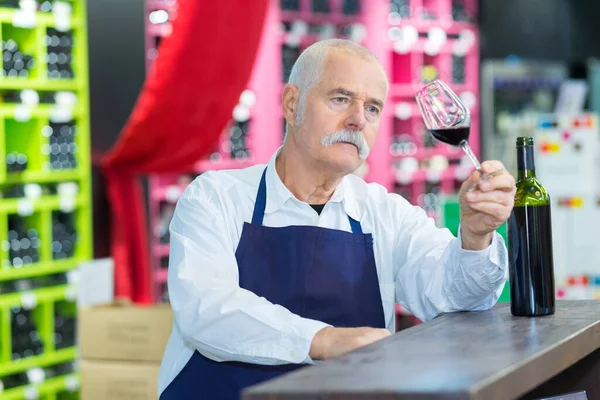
45 6
351 7
62 369
237 139
320 6
290 55
459 12
9 3
14 381
158 17
60 54
64 235
26 340
458 69
64 329
16 162
166 211
11 96
165 293
23 244
290 5
402 7
63 146
531 265
15 63
14 192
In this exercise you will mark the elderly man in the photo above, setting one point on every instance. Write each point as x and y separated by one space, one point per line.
273 267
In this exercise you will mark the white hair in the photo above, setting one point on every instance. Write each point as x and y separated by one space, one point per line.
308 68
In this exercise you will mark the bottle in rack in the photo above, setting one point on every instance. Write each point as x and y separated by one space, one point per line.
45 6
531 269
64 235
15 63
63 146
290 5
320 6
26 340
23 244
289 56
64 334
351 7
402 7
60 56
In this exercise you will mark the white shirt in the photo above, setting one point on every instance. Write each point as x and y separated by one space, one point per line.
419 265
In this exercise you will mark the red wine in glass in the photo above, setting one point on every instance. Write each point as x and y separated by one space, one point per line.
448 119
452 136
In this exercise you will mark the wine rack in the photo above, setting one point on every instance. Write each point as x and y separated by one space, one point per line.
45 204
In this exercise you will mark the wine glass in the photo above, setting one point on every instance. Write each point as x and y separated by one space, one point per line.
448 120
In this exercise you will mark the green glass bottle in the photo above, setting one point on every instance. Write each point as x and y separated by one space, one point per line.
531 265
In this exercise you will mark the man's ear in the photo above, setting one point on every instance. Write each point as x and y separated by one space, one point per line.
289 101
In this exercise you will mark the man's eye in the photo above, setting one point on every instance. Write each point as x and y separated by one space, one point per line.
340 100
373 110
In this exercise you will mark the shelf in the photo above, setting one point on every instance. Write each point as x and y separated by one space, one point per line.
310 17
160 30
451 27
44 360
39 111
44 19
44 203
53 293
207 165
411 89
41 84
424 153
152 5
39 269
162 275
161 250
43 177
59 384
167 192
422 176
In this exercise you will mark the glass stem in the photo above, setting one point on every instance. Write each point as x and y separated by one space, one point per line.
467 149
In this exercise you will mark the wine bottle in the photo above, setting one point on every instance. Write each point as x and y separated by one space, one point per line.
531 266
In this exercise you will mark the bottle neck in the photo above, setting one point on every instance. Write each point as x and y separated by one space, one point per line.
525 162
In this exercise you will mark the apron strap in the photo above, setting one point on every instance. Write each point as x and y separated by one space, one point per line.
261 203
355 225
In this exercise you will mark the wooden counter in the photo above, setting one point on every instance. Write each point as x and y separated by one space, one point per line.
474 355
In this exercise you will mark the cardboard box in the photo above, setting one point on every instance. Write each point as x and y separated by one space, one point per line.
125 333
102 380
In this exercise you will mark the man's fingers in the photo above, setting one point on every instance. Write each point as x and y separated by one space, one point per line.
495 196
499 212
503 181
491 166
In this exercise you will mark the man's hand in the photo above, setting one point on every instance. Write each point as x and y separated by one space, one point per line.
482 211
332 342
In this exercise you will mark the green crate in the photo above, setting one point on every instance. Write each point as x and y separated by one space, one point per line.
24 133
450 218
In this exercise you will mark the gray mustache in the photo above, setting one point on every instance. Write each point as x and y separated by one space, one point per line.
348 136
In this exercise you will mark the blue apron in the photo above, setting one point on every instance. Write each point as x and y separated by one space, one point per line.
318 273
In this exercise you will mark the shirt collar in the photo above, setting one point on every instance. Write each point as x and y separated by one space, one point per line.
278 194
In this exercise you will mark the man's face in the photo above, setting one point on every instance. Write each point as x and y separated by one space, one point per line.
349 96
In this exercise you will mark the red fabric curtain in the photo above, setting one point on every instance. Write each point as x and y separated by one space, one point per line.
185 104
